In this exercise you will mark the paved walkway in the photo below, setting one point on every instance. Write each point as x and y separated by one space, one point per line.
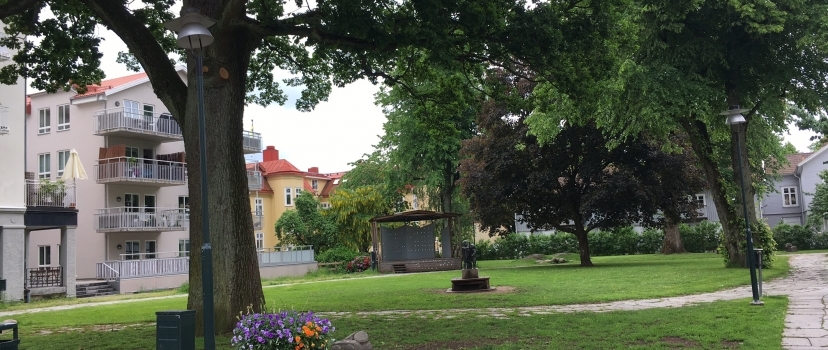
805 326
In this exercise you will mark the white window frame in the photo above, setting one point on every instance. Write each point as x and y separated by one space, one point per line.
315 185
297 191
183 247
134 201
128 249
63 118
259 240
701 199
132 152
44 255
45 121
258 205
63 158
44 165
325 205
788 193
132 109
288 197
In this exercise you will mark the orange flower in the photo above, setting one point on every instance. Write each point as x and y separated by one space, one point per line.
307 331
297 339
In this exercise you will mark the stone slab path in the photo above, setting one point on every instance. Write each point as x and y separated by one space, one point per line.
805 322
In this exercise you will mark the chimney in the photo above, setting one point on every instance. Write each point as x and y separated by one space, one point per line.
314 170
270 153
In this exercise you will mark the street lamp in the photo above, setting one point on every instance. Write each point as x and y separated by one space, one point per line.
735 117
193 36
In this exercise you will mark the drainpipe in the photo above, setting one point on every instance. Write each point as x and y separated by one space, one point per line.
801 207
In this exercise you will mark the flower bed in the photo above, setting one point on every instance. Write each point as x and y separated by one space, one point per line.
286 330
359 264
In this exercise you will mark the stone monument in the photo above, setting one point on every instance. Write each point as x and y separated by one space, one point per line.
470 280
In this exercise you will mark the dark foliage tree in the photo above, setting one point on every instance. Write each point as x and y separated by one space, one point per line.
307 224
575 183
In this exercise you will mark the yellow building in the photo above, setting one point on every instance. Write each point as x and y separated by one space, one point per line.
274 185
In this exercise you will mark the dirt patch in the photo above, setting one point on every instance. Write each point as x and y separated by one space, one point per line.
93 328
534 257
497 290
681 342
731 344
456 344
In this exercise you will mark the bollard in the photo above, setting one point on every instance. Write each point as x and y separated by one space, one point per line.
175 330
758 260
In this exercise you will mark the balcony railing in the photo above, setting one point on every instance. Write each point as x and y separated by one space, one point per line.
4 119
47 193
129 122
286 255
48 276
252 142
257 221
118 269
148 171
122 219
254 180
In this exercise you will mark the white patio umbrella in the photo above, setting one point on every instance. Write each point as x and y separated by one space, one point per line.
74 169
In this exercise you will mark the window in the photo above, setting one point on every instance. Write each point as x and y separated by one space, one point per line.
132 152
63 157
415 202
789 197
298 192
700 200
184 203
183 247
44 255
149 203
259 240
132 109
133 250
315 184
259 206
288 198
149 248
326 205
44 168
63 118
45 125
131 202
149 111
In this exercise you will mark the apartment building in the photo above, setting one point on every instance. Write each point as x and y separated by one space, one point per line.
274 185
134 221
29 207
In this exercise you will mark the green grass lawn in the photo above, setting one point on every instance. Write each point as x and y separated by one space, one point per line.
718 325
613 278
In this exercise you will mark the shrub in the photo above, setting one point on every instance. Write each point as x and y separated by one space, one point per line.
651 241
700 238
820 240
800 236
563 242
762 238
619 241
337 254
359 264
286 330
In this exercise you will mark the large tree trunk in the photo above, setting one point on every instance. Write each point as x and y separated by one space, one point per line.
236 279
672 238
583 247
728 216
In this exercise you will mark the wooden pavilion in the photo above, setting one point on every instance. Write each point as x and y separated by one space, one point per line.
411 248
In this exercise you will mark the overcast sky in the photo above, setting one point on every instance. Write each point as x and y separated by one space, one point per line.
336 133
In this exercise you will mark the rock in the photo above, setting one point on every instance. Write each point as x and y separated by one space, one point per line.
534 257
355 341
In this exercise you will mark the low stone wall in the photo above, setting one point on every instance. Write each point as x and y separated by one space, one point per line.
296 270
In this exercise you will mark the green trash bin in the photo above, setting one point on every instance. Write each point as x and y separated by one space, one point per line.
175 330
9 344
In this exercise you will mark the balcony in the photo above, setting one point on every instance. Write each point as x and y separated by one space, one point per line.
257 221
130 219
254 180
137 124
47 193
4 120
140 171
252 142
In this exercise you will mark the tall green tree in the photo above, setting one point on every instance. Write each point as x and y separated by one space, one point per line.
764 55
307 224
818 208
324 44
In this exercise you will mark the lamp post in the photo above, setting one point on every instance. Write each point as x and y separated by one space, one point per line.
193 36
735 117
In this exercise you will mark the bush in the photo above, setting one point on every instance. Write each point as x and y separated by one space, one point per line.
800 236
619 241
700 238
337 254
762 238
359 264
820 240
651 241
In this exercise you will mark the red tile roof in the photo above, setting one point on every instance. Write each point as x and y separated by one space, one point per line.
95 89
793 161
279 166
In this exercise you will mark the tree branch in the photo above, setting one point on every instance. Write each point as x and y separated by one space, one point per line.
287 27
12 7
165 81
